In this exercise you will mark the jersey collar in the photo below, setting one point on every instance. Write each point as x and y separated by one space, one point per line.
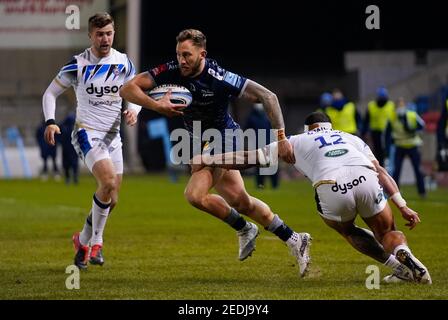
322 126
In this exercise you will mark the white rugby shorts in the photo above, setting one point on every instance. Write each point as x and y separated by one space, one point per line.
93 146
357 191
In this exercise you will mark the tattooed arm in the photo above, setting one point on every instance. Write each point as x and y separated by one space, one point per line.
259 94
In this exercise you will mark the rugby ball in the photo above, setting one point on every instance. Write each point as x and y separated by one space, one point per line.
179 94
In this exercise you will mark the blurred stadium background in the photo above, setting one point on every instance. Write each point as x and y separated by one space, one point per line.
296 50
312 49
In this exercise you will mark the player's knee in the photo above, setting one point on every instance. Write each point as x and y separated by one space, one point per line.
392 235
109 185
386 230
193 197
242 204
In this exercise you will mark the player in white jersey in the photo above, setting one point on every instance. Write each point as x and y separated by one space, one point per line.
96 76
348 180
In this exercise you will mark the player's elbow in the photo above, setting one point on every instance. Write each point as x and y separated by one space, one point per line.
45 93
48 94
383 176
382 173
269 98
124 90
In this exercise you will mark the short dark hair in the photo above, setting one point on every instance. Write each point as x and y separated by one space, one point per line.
196 36
316 117
100 20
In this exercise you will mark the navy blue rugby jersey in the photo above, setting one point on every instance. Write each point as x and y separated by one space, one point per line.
211 91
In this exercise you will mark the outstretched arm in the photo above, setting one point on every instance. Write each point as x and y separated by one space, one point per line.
259 94
238 160
391 188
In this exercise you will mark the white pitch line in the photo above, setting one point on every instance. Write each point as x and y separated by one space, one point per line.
8 200
69 208
58 207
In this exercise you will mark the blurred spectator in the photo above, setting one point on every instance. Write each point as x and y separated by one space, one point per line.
442 139
326 99
47 151
404 129
69 155
258 120
343 113
442 127
379 113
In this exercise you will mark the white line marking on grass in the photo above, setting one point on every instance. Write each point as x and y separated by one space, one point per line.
8 200
269 238
69 208
58 207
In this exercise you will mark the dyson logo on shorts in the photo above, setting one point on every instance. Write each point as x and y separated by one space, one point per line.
348 186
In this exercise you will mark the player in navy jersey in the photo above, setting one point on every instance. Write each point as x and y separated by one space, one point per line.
212 87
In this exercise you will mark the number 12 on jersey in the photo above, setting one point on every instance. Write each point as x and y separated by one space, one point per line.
337 139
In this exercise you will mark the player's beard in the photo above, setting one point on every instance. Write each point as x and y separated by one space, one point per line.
195 69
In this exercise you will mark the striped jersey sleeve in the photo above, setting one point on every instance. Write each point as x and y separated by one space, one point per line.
130 70
67 76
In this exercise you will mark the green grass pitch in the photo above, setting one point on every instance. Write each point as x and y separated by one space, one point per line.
159 247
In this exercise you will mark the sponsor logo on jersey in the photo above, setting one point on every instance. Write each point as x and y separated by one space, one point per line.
215 74
336 153
101 91
159 69
116 71
103 102
232 79
348 186
379 198
207 93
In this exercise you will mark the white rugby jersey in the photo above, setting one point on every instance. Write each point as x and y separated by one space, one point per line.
321 152
97 82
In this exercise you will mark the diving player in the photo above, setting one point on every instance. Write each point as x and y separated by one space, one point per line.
348 180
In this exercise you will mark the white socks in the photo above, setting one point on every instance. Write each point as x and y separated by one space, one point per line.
86 233
100 213
402 247
392 262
